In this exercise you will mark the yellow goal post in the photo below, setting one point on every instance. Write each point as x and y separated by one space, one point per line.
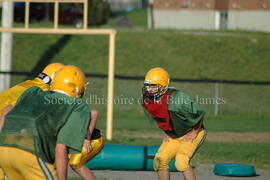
84 30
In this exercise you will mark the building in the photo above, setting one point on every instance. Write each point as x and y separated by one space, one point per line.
251 15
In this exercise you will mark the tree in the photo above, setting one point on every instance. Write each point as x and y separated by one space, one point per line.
99 12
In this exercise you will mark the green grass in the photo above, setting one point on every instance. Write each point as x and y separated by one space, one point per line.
184 56
236 55
213 124
256 154
238 124
138 51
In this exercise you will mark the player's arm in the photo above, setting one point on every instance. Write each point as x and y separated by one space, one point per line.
191 112
94 117
199 125
5 111
85 173
191 135
61 161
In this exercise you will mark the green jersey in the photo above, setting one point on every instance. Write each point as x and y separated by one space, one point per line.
41 119
183 114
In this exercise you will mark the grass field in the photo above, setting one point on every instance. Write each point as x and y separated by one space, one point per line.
181 57
194 54
249 153
184 56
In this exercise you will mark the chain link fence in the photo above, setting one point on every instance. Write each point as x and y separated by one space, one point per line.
216 98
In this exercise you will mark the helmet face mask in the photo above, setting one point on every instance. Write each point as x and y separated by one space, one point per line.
153 91
85 87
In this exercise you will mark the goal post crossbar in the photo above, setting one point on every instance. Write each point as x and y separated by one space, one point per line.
56 30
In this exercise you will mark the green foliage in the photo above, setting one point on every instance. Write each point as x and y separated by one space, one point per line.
99 11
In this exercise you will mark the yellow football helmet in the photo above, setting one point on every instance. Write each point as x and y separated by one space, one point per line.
156 83
70 80
51 69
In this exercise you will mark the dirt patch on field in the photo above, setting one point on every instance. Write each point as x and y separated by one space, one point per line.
218 136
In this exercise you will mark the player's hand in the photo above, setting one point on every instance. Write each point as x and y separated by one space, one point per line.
87 145
190 136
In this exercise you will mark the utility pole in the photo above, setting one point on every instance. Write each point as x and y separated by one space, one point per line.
6 45
151 19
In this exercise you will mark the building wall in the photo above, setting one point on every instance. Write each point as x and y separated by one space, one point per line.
184 4
184 19
249 4
212 14
212 4
222 4
249 20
